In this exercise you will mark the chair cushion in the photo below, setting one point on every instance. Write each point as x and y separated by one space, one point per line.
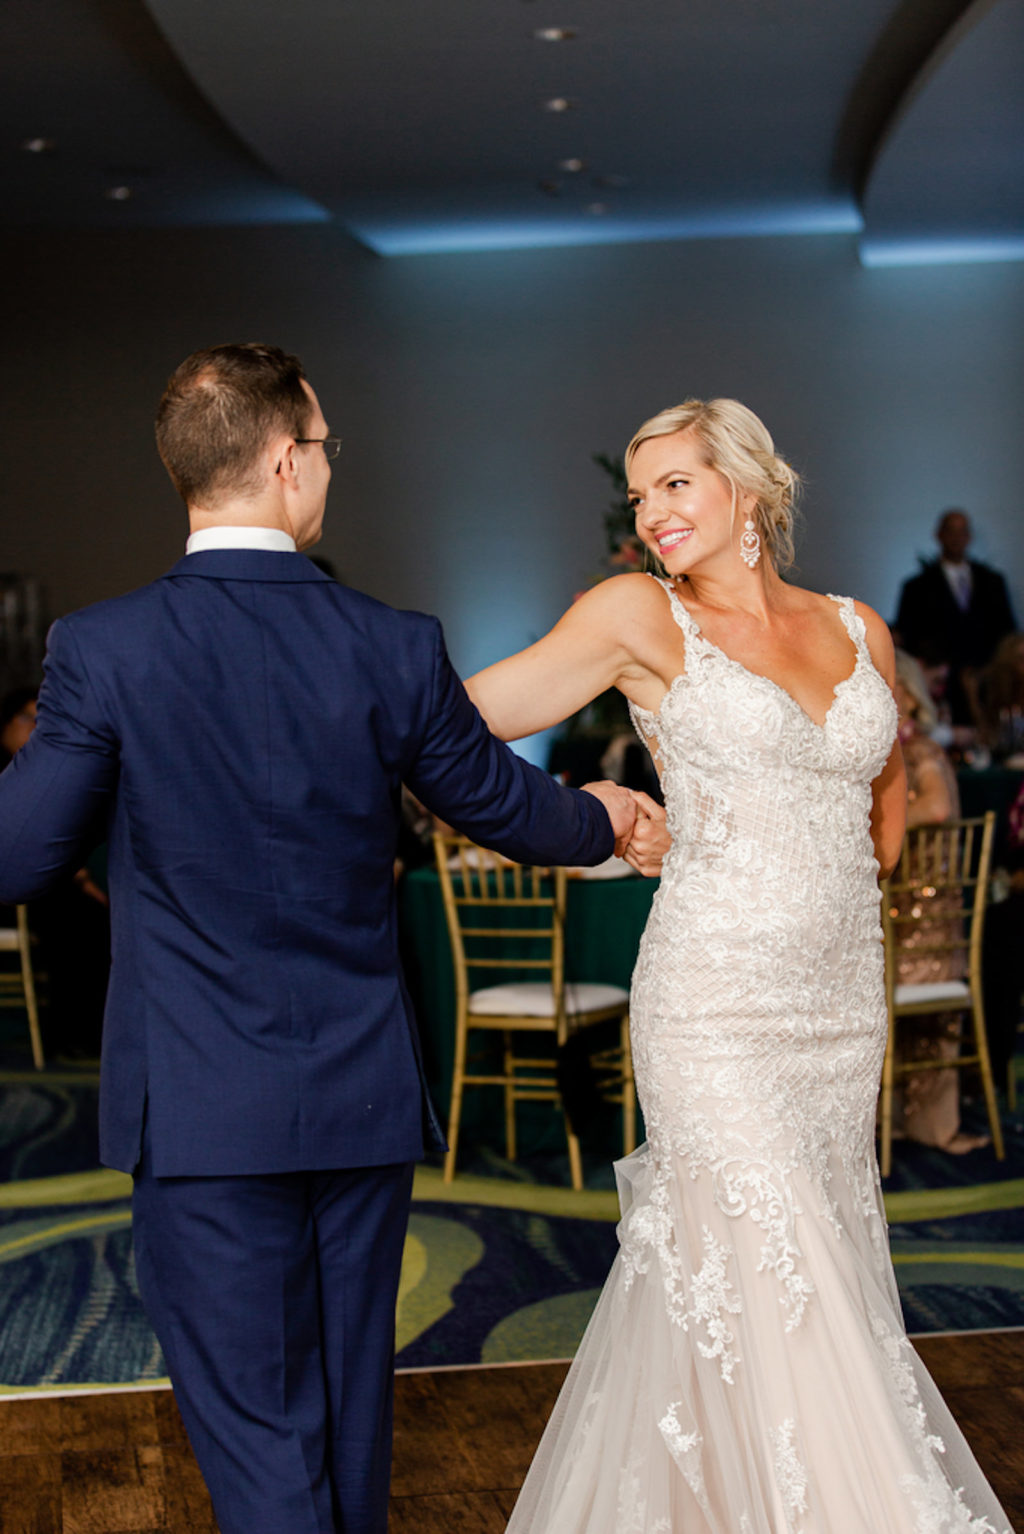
935 990
535 998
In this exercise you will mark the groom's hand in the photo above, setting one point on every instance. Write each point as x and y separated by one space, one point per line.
621 809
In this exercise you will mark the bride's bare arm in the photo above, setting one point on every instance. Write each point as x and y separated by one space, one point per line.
889 790
889 811
592 647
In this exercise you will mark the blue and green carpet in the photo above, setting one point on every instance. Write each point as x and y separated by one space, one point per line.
503 1265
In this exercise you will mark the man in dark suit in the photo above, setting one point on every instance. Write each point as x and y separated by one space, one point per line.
244 726
955 612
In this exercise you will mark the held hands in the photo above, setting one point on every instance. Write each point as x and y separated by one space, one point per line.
621 810
641 834
650 839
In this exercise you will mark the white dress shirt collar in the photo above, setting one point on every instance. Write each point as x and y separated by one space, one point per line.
230 537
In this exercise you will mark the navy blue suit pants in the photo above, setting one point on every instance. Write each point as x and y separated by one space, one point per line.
273 1298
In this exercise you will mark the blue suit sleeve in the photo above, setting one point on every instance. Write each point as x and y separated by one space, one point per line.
472 780
58 786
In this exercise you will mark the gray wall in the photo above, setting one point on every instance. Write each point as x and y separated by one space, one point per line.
896 393
471 391
101 320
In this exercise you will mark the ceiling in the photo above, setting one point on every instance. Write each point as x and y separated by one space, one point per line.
432 125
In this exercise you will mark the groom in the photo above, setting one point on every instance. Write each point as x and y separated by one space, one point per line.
242 727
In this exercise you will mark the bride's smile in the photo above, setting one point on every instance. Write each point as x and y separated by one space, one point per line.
685 510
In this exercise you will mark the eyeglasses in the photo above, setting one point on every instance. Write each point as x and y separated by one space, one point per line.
330 445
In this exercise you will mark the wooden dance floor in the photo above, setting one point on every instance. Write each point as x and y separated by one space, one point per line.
121 1464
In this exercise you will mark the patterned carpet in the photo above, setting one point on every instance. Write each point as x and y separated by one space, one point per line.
502 1265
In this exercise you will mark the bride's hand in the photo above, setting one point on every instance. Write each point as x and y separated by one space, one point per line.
650 840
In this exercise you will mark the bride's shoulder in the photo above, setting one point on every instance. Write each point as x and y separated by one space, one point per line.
876 630
632 594
879 640
875 627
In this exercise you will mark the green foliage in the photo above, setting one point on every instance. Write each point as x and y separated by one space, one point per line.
618 519
624 549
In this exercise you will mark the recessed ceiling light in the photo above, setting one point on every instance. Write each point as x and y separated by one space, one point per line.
554 34
572 166
118 193
39 145
558 104
597 208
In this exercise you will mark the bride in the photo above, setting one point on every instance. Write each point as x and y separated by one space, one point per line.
746 1370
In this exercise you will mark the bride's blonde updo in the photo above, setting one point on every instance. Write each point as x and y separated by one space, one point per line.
738 445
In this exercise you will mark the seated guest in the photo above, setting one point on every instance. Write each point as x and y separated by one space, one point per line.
928 1105
956 610
932 794
957 739
998 696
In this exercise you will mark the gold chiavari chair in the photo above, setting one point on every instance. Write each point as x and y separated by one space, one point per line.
933 908
18 987
503 917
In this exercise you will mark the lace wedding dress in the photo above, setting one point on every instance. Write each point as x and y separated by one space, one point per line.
746 1370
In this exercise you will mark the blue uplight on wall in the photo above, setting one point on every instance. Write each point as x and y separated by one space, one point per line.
940 252
422 236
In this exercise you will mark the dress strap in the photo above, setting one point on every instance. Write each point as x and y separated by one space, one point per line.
852 621
683 618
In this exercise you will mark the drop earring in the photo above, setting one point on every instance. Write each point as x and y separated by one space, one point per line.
750 544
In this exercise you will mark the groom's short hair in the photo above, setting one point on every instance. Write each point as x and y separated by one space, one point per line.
219 410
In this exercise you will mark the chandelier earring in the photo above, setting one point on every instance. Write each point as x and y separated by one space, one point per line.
750 544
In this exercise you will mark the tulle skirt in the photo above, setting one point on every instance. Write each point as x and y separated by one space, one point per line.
729 1385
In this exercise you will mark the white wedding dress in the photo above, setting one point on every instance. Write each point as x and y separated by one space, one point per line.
746 1370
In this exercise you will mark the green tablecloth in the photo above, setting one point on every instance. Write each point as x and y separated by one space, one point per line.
604 920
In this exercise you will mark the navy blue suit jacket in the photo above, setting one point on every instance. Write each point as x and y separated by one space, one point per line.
244 725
